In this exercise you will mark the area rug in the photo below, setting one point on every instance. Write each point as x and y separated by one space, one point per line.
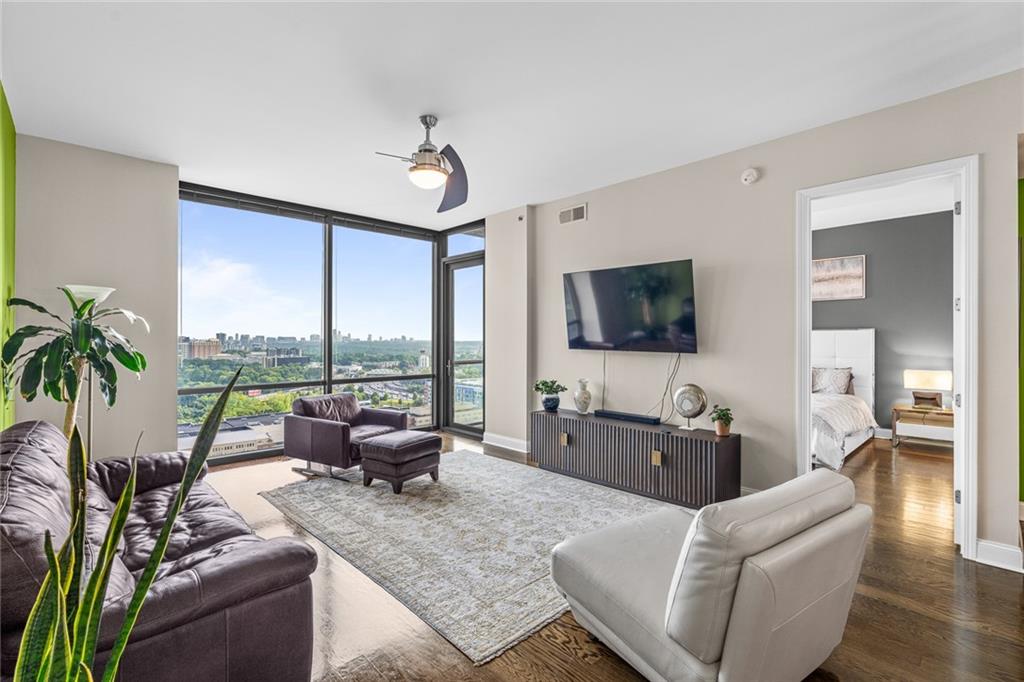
471 554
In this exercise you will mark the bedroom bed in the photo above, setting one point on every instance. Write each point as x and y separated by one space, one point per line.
843 398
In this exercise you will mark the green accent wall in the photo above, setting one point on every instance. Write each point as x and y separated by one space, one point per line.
7 157
1020 336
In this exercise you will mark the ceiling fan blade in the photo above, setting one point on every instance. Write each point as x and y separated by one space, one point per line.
456 189
394 156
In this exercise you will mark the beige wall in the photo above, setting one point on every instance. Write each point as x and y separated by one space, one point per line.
506 328
91 217
742 240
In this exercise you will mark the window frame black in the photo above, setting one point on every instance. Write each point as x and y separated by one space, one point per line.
329 219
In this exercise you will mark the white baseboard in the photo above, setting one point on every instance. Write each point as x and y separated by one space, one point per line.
516 444
744 490
883 433
999 555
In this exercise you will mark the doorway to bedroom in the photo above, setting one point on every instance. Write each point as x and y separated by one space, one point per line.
885 341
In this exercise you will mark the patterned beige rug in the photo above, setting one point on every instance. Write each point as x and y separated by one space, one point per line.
470 555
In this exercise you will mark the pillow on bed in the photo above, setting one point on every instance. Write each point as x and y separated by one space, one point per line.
838 380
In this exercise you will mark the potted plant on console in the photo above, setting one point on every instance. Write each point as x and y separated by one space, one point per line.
722 417
549 390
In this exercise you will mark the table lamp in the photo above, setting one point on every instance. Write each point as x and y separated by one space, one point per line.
927 385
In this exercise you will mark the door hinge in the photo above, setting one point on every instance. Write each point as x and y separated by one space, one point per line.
956 208
956 304
956 496
957 400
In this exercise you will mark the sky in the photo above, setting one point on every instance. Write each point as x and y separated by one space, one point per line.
253 273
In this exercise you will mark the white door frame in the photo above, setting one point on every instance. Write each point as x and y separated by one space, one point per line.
964 172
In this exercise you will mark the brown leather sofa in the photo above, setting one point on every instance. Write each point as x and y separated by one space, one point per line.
226 604
328 429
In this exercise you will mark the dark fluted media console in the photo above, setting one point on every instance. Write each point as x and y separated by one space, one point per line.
689 468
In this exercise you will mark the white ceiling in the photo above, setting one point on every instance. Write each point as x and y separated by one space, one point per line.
541 101
898 201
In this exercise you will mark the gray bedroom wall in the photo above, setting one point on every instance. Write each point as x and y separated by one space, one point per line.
909 294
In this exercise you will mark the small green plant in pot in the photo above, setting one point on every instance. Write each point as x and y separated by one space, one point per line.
722 417
549 390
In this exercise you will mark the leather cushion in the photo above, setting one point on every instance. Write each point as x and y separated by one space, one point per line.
620 576
723 535
205 520
397 447
34 496
421 465
339 407
360 434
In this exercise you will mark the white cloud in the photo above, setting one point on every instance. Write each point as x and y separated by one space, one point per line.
222 295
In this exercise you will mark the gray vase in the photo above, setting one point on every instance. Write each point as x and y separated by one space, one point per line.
582 397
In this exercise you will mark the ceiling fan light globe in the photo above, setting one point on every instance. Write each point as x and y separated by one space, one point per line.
427 176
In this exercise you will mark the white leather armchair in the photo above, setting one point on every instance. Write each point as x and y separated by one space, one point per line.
756 588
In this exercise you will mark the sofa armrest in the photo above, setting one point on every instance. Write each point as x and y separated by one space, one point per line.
210 586
154 470
394 418
318 440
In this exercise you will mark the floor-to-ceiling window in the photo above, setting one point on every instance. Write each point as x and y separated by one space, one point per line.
383 319
463 304
305 302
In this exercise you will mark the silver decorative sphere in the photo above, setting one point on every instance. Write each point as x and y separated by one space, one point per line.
690 401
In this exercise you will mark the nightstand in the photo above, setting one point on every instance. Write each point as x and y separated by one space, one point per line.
933 423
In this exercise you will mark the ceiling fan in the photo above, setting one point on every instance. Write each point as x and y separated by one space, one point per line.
431 168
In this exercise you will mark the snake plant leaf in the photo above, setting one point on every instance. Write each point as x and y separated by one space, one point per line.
87 619
81 335
36 647
77 466
83 672
61 648
33 372
126 357
24 302
129 315
14 343
200 451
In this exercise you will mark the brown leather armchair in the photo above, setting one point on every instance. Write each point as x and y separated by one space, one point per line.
226 604
328 429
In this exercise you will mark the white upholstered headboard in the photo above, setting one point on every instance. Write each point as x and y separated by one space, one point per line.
853 348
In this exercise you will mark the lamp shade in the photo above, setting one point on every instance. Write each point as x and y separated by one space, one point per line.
83 292
928 379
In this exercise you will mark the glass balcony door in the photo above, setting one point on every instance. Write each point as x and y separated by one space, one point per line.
464 346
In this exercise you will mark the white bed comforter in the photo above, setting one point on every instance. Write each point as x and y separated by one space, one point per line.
833 418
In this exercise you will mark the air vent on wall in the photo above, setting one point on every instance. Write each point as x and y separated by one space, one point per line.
572 214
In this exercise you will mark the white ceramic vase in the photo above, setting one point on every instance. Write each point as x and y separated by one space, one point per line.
582 397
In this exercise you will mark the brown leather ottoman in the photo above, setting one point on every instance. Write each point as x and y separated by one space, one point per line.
400 455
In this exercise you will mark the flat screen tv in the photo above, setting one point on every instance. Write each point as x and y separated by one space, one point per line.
639 308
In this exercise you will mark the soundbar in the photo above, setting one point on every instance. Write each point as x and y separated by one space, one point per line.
628 417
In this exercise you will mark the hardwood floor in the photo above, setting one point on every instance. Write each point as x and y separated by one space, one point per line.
920 612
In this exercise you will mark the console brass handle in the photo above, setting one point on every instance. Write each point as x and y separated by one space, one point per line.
656 457
563 439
